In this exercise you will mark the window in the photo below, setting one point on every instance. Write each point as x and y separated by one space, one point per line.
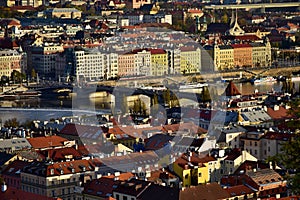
124 198
186 176
117 197
200 175
255 144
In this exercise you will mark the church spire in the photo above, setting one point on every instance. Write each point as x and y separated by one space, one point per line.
235 29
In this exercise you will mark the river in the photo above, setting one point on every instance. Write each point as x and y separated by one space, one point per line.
45 109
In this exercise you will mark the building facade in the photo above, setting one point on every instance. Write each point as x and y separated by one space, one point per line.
11 60
58 179
43 58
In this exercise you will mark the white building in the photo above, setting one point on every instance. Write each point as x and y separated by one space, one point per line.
143 62
90 65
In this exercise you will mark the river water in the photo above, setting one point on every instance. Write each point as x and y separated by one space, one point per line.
45 109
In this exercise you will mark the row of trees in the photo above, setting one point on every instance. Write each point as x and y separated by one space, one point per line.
16 77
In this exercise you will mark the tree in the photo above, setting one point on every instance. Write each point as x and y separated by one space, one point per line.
224 18
4 80
33 73
166 94
205 96
289 158
11 123
17 76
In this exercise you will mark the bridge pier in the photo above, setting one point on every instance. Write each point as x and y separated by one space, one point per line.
263 10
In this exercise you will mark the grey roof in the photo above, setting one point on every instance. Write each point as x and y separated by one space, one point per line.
14 144
257 44
256 116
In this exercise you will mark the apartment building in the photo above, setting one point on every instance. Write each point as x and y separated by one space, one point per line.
61 179
192 169
70 13
264 145
11 60
223 57
90 65
190 60
136 4
261 54
242 54
126 64
159 62
112 66
33 3
143 62
43 58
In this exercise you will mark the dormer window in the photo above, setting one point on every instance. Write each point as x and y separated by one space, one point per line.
51 171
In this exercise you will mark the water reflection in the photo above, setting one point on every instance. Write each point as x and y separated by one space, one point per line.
62 106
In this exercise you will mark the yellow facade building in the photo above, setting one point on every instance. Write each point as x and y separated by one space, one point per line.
159 62
192 169
223 57
190 60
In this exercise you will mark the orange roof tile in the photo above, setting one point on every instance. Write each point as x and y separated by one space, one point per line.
281 113
60 154
239 190
46 142
16 194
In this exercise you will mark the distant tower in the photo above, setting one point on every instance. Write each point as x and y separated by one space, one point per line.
235 29
232 20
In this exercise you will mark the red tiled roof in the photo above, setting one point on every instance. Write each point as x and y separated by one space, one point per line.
278 136
157 51
134 187
195 159
264 176
239 190
208 191
45 142
247 37
184 126
60 154
15 194
234 154
100 187
10 22
122 176
67 167
281 113
194 11
105 185
241 45
187 48
231 90
160 174
157 141
14 167
250 165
